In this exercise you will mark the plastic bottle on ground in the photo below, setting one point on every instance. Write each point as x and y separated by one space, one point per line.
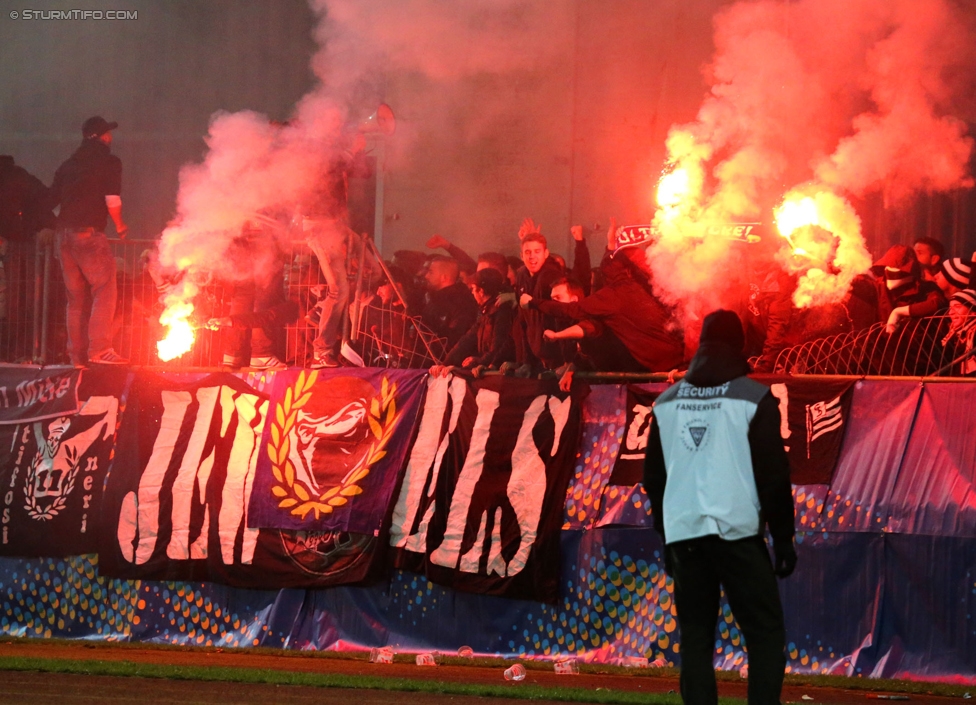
566 666
515 673
384 654
427 659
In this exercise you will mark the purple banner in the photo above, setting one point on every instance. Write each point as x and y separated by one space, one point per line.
334 444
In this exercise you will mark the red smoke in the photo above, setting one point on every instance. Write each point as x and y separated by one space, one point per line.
842 96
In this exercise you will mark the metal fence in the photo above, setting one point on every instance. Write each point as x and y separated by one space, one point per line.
32 321
920 347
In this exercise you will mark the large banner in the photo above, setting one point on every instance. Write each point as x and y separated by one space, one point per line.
53 461
480 505
335 443
178 495
296 485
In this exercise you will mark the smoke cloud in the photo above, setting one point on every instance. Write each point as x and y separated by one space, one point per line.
835 96
254 168
259 172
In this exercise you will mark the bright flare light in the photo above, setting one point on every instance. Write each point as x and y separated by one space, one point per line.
179 338
793 215
825 247
673 188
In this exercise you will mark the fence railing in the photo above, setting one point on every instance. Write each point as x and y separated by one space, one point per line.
920 347
32 321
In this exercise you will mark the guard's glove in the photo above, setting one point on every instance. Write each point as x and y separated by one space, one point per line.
785 559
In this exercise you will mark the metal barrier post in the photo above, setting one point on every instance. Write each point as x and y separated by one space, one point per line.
36 331
45 302
356 307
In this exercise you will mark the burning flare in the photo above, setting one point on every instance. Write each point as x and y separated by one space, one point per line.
822 235
176 317
673 188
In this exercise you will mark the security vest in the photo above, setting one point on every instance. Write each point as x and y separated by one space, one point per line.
710 488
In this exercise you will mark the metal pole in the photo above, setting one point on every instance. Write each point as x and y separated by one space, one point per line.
38 268
356 307
378 208
46 303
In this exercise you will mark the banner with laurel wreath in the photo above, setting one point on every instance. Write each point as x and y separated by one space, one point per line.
334 446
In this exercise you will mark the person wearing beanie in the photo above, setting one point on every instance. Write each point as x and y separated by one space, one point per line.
489 342
962 328
717 475
902 293
88 187
953 275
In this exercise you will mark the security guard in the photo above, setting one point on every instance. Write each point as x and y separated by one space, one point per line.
717 475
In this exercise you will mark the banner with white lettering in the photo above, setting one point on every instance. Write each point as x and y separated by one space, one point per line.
334 445
629 468
177 499
814 415
52 468
480 505
177 496
33 394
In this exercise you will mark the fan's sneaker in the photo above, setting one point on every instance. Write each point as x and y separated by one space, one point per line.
107 357
266 362
324 360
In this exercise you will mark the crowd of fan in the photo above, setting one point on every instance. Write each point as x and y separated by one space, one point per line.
536 313
532 313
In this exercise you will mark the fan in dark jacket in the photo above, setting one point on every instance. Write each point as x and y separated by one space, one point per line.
451 309
489 342
902 293
24 202
717 475
629 309
536 277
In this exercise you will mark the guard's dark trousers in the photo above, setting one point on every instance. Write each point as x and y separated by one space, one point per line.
743 568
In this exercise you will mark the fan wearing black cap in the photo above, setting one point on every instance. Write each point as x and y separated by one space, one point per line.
717 476
88 187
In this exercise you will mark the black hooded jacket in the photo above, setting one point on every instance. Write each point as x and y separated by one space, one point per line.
489 340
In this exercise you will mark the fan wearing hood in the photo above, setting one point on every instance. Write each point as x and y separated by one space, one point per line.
717 476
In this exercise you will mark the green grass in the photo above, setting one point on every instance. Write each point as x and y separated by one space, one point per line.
501 690
240 675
